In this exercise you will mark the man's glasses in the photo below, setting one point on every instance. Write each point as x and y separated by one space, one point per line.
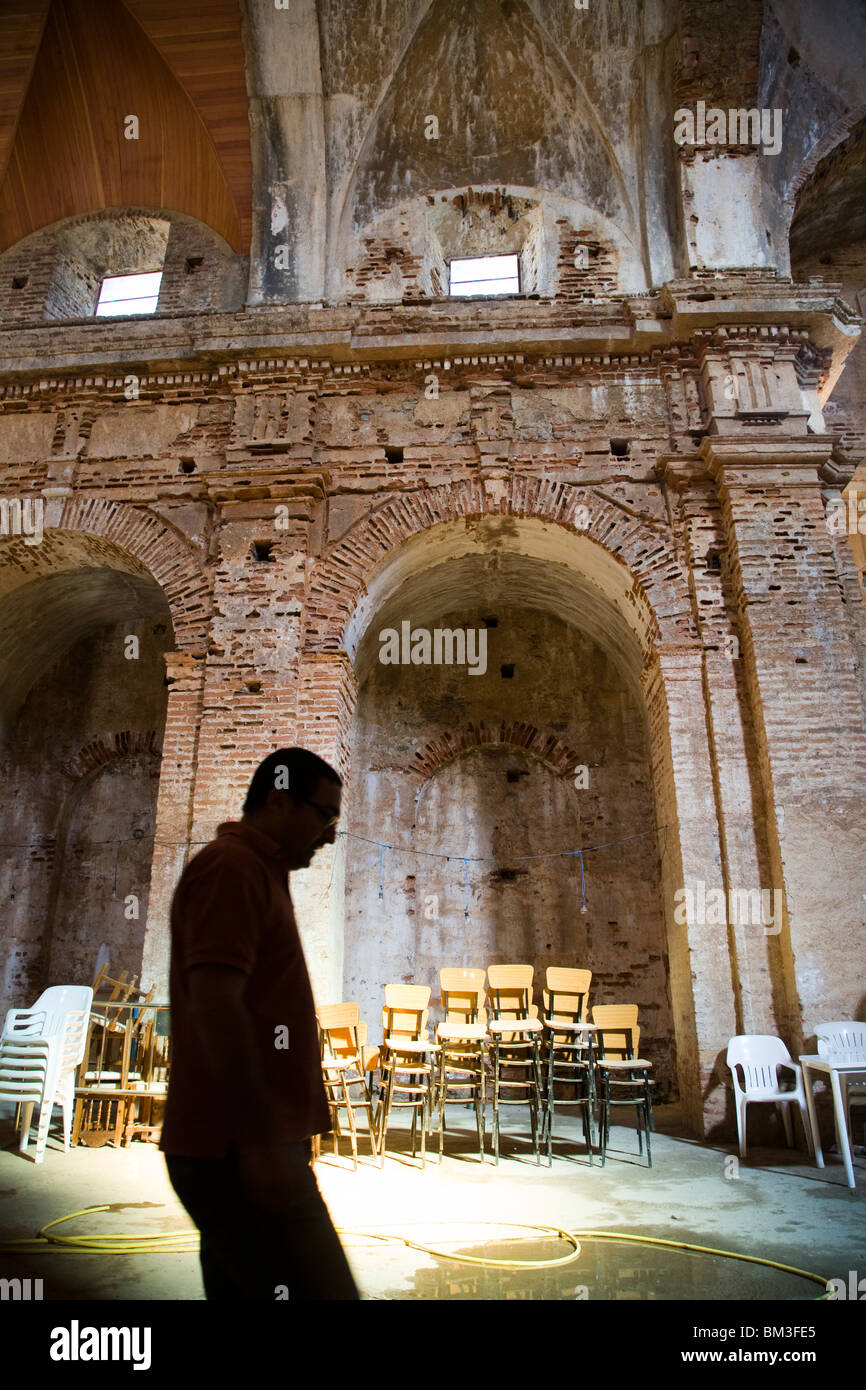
328 819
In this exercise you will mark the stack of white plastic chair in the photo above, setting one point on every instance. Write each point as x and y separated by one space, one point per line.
40 1050
848 1036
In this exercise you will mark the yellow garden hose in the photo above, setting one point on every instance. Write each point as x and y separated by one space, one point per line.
187 1243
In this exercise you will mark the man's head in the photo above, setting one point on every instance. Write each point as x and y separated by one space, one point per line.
294 798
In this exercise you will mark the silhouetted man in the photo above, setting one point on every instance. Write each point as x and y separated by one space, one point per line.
245 1092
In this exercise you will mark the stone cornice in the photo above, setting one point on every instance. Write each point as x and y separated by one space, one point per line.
747 461
202 350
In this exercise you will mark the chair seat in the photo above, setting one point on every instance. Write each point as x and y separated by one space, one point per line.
458 1032
515 1025
331 1063
410 1045
613 1064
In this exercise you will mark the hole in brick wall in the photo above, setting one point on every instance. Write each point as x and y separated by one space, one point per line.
512 776
262 551
490 622
800 661
253 687
714 562
393 455
619 448
507 672
507 875
194 263
20 282
187 465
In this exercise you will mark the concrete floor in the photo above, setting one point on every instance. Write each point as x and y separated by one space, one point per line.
778 1207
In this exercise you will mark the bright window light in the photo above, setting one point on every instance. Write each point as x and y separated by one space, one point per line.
485 275
129 294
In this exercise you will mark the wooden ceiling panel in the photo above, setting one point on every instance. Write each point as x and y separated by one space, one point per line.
70 156
201 42
21 26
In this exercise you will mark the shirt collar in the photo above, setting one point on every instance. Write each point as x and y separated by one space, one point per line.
256 839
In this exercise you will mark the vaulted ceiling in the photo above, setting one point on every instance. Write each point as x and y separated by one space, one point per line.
72 71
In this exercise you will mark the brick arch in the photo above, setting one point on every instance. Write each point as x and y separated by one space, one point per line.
161 548
515 733
99 752
340 576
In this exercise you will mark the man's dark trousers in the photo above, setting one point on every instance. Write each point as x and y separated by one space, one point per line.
257 1254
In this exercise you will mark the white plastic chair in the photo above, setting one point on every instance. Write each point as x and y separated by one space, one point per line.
845 1035
760 1055
40 1051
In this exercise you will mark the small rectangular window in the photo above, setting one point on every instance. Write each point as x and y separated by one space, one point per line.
120 295
485 275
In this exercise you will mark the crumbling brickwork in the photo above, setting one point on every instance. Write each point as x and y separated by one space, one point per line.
628 477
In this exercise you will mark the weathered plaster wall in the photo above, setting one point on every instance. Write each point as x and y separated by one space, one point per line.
501 803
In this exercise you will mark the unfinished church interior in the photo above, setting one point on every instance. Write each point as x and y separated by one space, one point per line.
635 475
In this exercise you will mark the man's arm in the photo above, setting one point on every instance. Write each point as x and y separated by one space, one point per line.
227 1038
225 1032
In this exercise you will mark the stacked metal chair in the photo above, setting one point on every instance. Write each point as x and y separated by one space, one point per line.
568 1048
462 1038
623 1075
516 1030
407 1061
345 1063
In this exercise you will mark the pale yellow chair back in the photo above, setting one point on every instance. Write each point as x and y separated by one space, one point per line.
565 996
463 995
405 1012
340 1025
611 1017
510 991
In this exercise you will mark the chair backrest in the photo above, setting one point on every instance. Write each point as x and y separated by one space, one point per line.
339 1024
618 1032
510 991
566 993
405 1012
463 995
845 1035
758 1054
63 1008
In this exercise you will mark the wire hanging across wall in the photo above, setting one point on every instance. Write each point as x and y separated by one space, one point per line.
467 859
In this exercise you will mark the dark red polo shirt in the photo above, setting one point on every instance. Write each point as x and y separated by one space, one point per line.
232 907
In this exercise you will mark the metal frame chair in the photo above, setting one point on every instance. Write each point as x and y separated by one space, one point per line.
623 1078
568 1048
406 1053
344 1067
462 1037
516 1031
